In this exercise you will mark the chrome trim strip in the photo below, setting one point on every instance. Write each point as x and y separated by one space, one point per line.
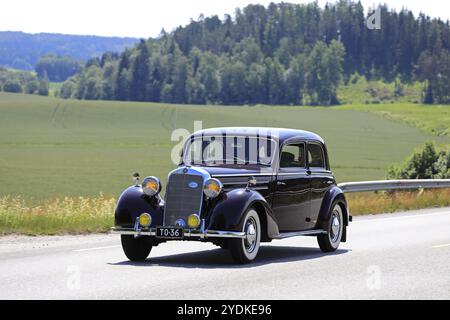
243 175
262 174
293 174
187 234
300 233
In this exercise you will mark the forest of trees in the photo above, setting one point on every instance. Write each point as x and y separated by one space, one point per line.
15 81
57 68
22 51
280 54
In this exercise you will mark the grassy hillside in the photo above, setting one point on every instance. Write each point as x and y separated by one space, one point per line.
51 147
361 91
433 119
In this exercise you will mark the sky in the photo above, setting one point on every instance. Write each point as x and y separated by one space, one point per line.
146 18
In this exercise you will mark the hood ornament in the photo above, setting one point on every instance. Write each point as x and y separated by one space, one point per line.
250 183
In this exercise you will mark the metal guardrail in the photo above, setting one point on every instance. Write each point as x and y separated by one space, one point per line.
366 186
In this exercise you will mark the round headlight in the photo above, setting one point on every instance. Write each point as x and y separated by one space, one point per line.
193 221
145 220
212 188
151 186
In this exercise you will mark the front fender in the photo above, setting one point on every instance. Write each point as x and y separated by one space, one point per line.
133 202
228 212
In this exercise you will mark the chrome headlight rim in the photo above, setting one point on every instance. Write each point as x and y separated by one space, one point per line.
151 191
211 194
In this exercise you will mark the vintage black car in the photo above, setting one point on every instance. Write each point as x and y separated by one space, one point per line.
236 188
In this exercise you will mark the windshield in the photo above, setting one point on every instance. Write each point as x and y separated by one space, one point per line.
229 150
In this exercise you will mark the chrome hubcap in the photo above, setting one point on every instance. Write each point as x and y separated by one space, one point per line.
250 235
335 227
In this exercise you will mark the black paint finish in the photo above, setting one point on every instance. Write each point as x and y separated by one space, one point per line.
287 199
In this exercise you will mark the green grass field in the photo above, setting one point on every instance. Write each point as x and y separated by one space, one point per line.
51 147
433 119
361 91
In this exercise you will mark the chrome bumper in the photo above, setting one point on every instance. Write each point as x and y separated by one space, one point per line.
187 234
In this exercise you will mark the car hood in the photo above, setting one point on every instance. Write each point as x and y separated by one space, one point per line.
217 172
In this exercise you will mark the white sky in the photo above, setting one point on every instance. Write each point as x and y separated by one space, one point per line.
145 18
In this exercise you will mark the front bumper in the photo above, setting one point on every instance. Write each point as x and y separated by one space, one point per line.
187 234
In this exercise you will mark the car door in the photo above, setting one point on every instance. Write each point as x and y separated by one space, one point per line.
322 178
291 201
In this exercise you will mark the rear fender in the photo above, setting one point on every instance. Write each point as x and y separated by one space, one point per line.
334 195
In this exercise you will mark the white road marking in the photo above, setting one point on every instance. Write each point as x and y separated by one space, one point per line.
403 217
98 248
441 246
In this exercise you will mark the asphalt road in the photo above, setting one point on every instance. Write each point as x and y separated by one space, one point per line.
400 256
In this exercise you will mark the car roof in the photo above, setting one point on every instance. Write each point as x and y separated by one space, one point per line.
279 134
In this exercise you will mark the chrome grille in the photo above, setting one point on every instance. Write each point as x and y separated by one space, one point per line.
182 200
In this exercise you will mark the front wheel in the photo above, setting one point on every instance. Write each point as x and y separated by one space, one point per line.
136 249
245 250
330 242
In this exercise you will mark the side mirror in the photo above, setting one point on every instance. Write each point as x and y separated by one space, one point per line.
136 178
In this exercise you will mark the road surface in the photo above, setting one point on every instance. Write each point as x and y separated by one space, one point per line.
398 256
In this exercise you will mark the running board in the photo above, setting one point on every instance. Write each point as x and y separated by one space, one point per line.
300 233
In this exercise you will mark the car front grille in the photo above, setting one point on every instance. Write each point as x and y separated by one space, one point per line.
181 199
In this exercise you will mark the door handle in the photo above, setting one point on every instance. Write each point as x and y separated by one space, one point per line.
280 183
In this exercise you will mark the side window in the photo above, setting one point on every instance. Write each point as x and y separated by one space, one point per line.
293 156
315 156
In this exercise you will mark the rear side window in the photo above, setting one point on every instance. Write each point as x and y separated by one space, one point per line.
315 156
293 156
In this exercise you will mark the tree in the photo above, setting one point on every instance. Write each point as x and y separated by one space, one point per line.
257 84
426 162
233 87
57 68
12 86
140 73
435 69
16 81
295 79
122 85
68 89
43 87
32 86
208 76
276 84
180 77
324 72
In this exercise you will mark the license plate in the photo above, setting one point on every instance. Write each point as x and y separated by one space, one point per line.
169 233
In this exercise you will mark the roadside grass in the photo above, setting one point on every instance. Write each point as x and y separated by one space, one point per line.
83 215
389 202
69 215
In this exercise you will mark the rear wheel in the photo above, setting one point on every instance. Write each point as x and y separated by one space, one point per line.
330 242
245 250
136 249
